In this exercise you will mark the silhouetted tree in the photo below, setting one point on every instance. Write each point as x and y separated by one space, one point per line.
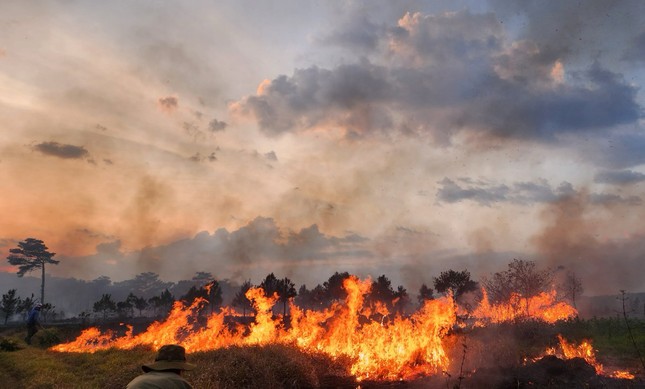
425 293
455 282
572 287
145 284
214 295
139 303
381 291
32 254
10 304
401 299
25 305
124 309
286 290
105 306
521 278
334 286
312 299
240 300
162 303
269 285
47 310
194 293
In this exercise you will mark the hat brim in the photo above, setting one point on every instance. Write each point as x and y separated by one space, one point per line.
167 365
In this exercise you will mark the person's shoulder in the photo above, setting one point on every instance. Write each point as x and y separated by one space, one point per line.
158 379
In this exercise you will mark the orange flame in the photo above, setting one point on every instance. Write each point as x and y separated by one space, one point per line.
585 351
542 307
380 346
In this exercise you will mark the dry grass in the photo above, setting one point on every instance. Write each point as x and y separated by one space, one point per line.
274 366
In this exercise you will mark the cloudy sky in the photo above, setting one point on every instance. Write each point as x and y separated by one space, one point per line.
307 137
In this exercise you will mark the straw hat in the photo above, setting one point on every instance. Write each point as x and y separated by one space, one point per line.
170 356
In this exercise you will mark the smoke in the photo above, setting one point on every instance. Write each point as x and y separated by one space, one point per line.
168 104
577 237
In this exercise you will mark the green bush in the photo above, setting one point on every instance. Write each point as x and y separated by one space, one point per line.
47 338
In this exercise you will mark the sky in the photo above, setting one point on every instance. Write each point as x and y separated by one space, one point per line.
307 137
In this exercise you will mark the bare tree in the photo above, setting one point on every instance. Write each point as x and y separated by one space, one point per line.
521 278
572 287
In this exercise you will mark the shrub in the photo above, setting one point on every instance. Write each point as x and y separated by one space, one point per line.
47 337
8 344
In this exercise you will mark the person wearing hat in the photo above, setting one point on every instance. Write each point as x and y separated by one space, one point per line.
32 322
165 371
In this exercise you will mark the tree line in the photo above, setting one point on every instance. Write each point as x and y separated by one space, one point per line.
521 277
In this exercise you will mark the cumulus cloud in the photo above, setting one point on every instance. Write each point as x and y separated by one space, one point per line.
60 150
439 75
620 177
168 104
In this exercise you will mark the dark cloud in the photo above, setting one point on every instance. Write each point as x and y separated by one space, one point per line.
486 193
168 104
355 32
346 96
441 74
620 177
451 192
574 30
216 125
619 151
599 100
636 51
60 150
524 193
611 199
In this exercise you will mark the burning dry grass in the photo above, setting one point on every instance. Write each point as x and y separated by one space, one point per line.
349 342
496 354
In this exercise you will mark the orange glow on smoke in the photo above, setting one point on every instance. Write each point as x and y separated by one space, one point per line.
380 345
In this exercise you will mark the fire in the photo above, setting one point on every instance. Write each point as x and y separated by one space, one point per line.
380 345
585 351
544 307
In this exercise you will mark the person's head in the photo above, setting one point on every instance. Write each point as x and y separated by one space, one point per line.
171 357
38 307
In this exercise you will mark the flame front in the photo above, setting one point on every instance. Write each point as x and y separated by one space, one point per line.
584 350
544 307
380 346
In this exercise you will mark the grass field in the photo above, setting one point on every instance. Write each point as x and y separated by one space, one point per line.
285 366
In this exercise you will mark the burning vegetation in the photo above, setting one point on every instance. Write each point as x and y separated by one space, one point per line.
379 342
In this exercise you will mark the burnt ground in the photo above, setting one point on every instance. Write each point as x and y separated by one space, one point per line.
547 372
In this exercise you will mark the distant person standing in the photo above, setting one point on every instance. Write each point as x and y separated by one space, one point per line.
33 325
165 372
